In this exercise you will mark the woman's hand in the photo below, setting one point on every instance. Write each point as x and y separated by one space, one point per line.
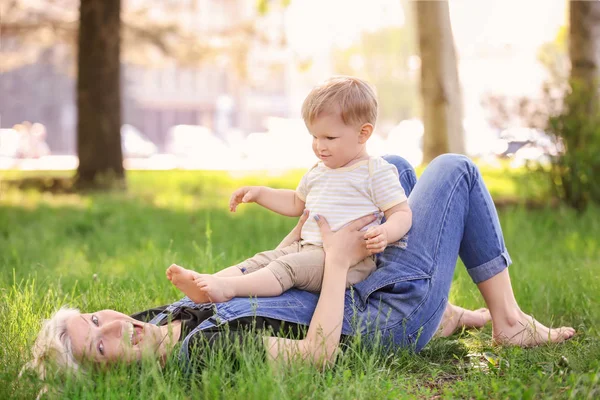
294 234
344 248
347 246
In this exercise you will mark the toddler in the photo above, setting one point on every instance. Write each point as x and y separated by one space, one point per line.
344 185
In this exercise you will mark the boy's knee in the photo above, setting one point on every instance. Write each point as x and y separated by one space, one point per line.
302 277
284 273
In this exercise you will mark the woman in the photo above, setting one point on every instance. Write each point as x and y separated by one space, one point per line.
404 300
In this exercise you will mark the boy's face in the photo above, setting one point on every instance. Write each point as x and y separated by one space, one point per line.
335 143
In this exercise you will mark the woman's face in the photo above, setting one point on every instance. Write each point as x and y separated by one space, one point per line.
108 336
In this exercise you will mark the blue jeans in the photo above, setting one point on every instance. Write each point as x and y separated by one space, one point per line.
404 299
453 215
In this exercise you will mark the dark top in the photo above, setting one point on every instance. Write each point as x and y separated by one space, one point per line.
246 332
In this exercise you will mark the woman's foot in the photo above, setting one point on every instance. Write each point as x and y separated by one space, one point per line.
214 288
523 330
183 279
456 317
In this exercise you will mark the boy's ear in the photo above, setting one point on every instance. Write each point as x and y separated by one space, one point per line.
366 130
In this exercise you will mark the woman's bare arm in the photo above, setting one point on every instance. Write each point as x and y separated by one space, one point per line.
343 249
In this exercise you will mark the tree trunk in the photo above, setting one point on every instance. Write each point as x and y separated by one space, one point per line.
584 43
440 87
98 95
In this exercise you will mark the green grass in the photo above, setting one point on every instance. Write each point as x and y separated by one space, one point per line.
111 250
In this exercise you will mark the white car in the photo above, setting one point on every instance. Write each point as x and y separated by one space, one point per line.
9 143
135 144
406 140
197 147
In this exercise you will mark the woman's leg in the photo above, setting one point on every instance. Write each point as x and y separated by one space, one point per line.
510 325
406 172
454 317
453 214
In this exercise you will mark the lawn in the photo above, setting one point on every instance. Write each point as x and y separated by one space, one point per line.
111 250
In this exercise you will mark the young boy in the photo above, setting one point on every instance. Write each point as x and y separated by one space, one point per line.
346 184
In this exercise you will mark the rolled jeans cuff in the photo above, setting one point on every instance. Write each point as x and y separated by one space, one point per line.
491 268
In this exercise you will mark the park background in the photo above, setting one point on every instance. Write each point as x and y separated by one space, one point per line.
120 143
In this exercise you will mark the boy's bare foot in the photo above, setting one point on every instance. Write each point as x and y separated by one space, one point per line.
183 279
456 317
215 288
523 330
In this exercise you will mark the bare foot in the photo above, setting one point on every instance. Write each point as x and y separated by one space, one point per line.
525 331
456 317
215 288
183 279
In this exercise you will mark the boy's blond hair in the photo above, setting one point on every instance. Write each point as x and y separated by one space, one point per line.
355 98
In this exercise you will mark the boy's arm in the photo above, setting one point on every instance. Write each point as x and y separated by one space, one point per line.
398 223
282 201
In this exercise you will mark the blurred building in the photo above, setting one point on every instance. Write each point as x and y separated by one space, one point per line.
224 93
269 73
236 89
42 92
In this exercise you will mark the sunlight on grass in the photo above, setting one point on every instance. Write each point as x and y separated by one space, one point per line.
74 263
31 199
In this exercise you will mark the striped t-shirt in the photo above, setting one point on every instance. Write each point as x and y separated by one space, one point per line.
342 195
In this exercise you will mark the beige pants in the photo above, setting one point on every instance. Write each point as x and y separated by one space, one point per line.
301 266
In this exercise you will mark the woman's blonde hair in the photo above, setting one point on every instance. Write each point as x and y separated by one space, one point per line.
53 345
355 98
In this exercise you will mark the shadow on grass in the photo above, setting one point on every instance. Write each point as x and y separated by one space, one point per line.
49 184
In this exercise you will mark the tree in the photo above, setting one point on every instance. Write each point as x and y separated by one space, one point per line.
584 43
98 93
568 109
575 170
440 87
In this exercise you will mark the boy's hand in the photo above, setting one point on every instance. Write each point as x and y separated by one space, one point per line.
377 239
246 194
